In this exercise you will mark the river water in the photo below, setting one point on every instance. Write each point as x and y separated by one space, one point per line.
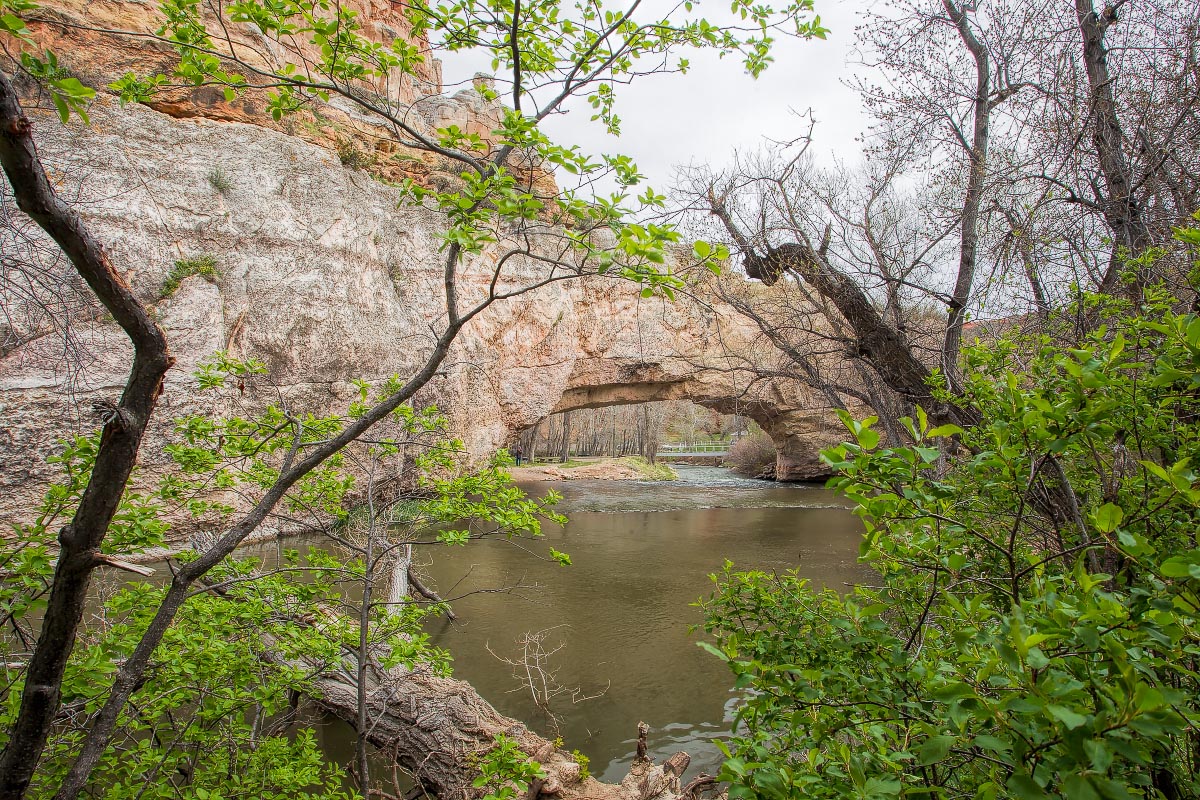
642 553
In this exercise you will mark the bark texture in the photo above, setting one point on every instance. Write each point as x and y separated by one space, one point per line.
436 728
124 426
1122 211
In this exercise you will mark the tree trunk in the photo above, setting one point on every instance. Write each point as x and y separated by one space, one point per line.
566 437
969 218
121 437
533 443
650 436
436 728
1122 212
877 342
880 344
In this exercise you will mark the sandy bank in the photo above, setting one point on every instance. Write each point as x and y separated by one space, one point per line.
623 469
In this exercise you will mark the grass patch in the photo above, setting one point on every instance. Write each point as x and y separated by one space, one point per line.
651 472
204 266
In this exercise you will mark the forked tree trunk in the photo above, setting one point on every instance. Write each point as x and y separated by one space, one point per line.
125 423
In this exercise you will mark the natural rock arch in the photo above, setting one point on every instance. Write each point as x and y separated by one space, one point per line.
799 429
308 255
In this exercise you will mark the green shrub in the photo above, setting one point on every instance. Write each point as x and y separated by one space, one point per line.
1034 627
219 180
204 266
352 156
583 762
505 772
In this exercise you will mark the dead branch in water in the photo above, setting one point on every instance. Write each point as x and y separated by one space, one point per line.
534 671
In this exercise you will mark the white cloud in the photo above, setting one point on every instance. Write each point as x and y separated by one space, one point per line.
703 116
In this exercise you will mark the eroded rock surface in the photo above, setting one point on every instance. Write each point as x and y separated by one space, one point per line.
318 270
321 275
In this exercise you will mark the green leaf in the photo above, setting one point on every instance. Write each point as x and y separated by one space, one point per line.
1023 786
1077 787
14 25
708 647
935 749
1066 716
992 743
944 430
1108 517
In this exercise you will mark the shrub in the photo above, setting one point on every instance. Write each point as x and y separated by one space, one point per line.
219 180
753 455
583 762
1033 629
204 266
352 156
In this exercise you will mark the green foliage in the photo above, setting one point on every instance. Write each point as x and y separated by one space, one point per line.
212 719
1034 630
583 762
201 725
352 156
203 719
67 93
205 266
11 23
505 771
219 180
487 501
712 257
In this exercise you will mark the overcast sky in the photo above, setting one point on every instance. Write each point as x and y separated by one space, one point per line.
703 116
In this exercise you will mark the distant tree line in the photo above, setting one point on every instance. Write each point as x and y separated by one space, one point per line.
638 429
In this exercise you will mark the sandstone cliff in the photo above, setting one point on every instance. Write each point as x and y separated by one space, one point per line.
316 269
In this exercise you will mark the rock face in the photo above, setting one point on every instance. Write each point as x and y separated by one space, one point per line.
316 270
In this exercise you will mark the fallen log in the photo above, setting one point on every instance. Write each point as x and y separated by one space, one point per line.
438 728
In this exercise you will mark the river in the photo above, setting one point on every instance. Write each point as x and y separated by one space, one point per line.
641 554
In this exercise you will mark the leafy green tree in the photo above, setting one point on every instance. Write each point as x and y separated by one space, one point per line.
213 718
1035 626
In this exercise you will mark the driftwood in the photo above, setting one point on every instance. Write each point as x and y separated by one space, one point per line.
437 728
701 783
